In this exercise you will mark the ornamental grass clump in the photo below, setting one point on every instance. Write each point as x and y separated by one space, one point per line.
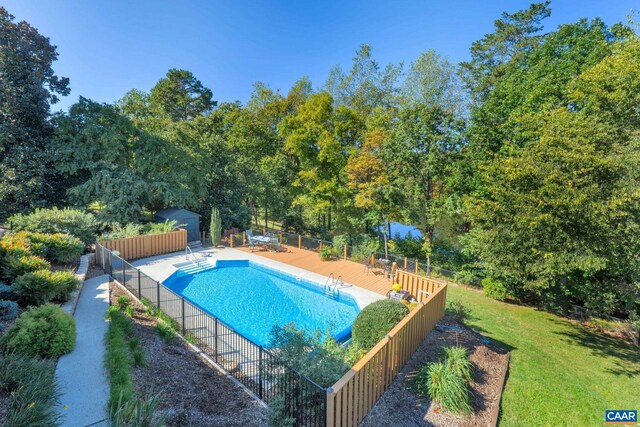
32 391
457 360
446 382
445 387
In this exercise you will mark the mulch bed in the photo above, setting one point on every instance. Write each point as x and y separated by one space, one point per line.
400 405
193 393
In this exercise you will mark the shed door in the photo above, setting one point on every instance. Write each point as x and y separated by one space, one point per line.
192 229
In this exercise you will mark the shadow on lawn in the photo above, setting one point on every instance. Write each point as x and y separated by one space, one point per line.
627 355
470 323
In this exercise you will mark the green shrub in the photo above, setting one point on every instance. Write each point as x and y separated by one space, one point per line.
166 332
119 231
122 302
75 222
122 232
444 387
130 311
45 331
159 227
326 253
375 321
31 385
58 247
495 289
6 291
15 244
43 286
458 311
316 356
340 241
457 360
8 310
15 266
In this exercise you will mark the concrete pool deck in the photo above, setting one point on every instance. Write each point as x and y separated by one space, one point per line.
161 267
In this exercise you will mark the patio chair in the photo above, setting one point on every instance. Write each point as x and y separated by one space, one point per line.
274 243
370 263
256 242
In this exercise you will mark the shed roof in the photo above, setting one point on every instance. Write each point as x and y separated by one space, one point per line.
175 213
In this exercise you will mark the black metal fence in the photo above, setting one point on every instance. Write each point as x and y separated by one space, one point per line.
257 368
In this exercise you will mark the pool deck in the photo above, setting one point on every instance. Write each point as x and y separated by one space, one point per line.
351 272
364 288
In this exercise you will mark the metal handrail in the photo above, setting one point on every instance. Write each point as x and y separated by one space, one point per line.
187 252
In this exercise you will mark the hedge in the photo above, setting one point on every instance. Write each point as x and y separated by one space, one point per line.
75 222
375 321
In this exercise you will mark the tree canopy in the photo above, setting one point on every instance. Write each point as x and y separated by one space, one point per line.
519 165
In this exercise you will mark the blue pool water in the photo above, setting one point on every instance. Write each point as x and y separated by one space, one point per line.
252 299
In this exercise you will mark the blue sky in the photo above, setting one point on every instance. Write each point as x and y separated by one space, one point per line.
109 47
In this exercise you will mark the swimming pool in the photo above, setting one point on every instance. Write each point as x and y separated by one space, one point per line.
253 298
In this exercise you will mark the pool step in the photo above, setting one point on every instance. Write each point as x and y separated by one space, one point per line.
201 265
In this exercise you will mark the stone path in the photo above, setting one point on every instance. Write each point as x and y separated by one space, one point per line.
83 383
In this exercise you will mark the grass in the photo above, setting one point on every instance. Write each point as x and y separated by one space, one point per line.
560 373
118 361
123 353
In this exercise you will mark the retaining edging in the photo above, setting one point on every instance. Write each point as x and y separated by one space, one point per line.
81 274
496 411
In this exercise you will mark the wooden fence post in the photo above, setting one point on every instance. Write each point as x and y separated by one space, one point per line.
299 241
231 240
405 262
280 237
321 245
244 238
345 251
394 271
416 265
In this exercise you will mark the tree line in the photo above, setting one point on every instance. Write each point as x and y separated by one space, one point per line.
519 165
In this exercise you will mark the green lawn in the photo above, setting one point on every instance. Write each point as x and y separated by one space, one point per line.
560 373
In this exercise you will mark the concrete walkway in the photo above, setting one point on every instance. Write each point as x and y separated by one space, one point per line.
83 383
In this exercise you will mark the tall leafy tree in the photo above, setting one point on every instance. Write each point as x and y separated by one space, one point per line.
28 87
321 138
366 86
119 165
559 218
180 96
434 81
422 151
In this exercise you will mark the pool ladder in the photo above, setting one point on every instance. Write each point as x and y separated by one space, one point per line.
331 286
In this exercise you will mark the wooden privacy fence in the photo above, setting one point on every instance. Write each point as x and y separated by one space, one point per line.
149 244
352 396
